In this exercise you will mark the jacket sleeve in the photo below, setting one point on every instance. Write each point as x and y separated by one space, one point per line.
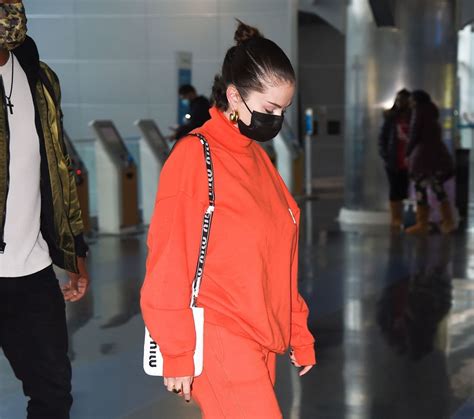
74 213
74 208
301 339
75 218
173 249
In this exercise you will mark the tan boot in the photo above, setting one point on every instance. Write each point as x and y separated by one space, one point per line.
447 223
396 211
422 221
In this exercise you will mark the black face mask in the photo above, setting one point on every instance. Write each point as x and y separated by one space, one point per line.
263 126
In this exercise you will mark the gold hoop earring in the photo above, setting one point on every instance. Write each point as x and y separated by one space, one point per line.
234 117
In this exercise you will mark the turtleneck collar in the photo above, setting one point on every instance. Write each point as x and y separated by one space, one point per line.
226 133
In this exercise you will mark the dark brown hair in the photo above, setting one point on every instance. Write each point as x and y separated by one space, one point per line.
423 100
247 65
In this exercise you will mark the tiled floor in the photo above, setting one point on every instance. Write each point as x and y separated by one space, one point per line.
393 316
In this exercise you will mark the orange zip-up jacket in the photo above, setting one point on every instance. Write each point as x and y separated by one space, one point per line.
250 282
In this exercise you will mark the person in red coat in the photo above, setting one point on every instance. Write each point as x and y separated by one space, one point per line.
393 141
253 310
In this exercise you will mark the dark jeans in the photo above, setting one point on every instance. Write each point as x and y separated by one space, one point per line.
399 182
33 336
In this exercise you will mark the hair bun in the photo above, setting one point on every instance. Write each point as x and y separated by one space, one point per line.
245 33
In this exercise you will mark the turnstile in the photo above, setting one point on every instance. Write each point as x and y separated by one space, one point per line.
154 151
117 180
82 181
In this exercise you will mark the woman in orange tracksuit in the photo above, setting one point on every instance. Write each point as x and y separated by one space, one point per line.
249 291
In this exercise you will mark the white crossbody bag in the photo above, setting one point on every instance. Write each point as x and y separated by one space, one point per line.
152 357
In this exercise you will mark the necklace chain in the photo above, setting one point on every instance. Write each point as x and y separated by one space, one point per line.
10 105
13 74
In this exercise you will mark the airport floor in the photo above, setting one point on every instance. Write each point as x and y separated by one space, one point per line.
393 318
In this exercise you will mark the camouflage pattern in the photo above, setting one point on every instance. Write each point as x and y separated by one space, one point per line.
12 25
66 216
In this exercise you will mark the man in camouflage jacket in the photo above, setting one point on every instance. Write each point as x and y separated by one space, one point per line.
40 222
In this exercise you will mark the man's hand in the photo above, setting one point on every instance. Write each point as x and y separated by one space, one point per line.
77 286
180 386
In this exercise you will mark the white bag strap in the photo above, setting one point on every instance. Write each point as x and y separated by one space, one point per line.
206 225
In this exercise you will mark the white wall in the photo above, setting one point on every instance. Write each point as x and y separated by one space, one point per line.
322 86
466 82
116 58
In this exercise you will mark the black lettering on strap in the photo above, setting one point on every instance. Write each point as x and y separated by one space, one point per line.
207 221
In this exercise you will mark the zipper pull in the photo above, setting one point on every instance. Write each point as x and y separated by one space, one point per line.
292 216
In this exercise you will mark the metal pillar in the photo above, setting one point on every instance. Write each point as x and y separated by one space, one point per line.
420 53
309 175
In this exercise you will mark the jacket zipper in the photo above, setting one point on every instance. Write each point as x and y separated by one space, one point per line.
292 216
3 245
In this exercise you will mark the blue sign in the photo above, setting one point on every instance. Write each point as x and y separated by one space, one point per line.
309 121
184 77
184 65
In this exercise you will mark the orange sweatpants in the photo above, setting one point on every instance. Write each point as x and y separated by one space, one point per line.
237 379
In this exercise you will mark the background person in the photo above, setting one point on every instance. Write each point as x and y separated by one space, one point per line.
198 110
430 163
393 142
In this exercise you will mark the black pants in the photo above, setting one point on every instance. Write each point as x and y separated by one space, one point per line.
33 336
399 182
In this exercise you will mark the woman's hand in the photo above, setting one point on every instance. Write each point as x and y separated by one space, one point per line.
180 385
305 369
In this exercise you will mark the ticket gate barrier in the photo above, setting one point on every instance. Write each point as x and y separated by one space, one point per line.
82 181
154 151
117 180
